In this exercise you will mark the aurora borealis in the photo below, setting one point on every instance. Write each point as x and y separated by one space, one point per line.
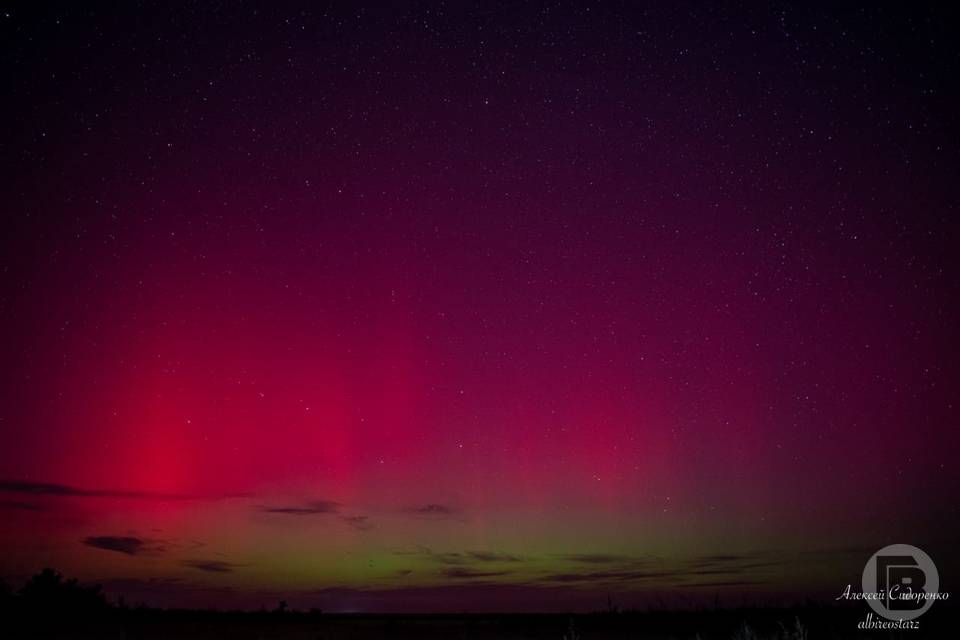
476 307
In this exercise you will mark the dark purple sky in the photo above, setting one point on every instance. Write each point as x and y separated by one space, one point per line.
476 306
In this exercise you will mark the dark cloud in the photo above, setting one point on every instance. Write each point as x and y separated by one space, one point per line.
434 510
713 572
163 581
722 558
839 551
43 489
733 563
122 544
461 558
728 568
595 558
361 523
615 575
210 566
761 564
49 489
311 508
460 572
18 505
615 571
452 557
62 490
492 556
136 546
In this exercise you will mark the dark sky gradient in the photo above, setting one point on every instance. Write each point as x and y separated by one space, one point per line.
476 306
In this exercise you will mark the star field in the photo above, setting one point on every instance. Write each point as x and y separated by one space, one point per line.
475 305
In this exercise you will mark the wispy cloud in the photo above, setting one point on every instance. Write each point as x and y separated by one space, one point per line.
434 510
211 566
462 557
734 563
728 570
595 558
731 557
315 507
320 508
460 572
135 545
20 505
361 523
612 575
62 490
122 544
492 556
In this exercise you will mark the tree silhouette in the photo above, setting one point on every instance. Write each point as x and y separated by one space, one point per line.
48 591
6 596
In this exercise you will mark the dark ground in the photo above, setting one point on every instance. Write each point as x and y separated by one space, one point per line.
49 606
738 624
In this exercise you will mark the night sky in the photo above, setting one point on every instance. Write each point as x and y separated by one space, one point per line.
476 306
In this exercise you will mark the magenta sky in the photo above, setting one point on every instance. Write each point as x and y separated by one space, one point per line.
466 309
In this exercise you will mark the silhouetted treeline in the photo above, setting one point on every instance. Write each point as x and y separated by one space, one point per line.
49 592
49 606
